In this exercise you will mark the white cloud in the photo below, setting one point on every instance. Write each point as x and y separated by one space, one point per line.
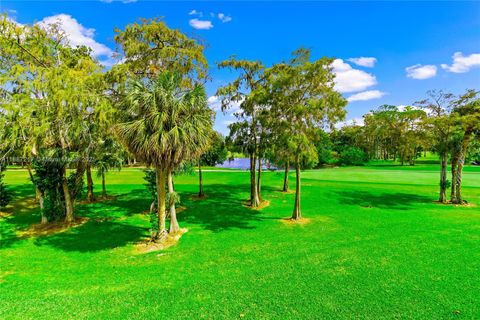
366 95
224 18
421 72
78 35
195 13
348 79
350 122
215 104
461 63
201 24
364 61
12 20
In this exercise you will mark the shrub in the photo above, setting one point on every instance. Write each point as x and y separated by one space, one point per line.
353 156
5 194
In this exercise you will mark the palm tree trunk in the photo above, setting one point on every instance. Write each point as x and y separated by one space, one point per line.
161 195
254 201
200 181
90 196
285 178
443 178
174 227
104 188
259 180
296 209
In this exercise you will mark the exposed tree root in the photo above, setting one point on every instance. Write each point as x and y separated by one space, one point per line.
464 203
263 204
290 221
167 241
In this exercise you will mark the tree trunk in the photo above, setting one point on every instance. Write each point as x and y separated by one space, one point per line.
259 180
174 227
443 178
254 201
458 181
200 181
161 195
90 196
44 218
461 163
38 194
69 214
104 188
296 210
285 177
453 190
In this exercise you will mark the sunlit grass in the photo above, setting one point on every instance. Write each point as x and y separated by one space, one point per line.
376 246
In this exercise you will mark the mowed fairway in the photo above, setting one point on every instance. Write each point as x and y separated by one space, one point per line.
376 247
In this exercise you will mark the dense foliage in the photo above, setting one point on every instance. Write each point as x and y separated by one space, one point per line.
5 193
352 156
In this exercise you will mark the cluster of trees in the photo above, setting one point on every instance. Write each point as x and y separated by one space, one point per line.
443 123
63 114
453 123
282 109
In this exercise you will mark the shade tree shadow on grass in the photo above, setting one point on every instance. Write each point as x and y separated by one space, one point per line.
19 215
366 199
222 209
99 233
94 236
131 203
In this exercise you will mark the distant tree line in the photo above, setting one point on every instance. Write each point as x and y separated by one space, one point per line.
443 123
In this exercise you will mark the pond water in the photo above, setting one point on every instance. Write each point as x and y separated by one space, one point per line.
242 163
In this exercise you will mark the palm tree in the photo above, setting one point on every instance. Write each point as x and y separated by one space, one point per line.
164 125
109 157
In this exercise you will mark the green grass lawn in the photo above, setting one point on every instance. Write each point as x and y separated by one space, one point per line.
376 247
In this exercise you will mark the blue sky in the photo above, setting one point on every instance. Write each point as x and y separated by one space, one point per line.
415 46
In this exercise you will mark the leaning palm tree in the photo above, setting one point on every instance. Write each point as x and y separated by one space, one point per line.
165 124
